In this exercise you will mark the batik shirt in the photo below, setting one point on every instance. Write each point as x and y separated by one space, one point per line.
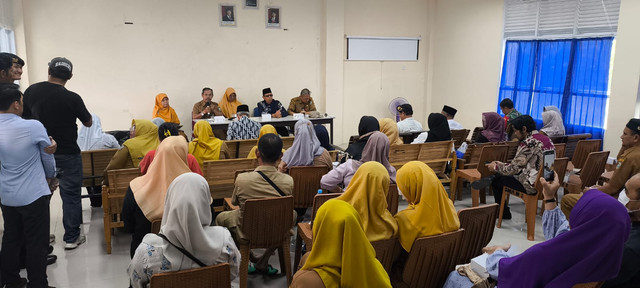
527 161
244 128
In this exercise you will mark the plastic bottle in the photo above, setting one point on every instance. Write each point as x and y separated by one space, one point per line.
319 191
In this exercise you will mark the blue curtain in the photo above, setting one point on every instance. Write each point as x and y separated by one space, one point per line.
571 74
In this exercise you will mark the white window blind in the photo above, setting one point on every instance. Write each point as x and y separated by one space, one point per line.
7 38
560 19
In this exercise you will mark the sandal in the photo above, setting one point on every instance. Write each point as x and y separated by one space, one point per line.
252 268
270 270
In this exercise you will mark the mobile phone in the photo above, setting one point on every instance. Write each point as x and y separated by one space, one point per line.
548 158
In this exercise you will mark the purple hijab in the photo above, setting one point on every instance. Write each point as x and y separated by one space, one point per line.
493 125
305 147
377 149
591 251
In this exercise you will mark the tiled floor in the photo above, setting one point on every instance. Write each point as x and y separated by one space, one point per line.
90 266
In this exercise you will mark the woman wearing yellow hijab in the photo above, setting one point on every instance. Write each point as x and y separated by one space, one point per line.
143 138
266 129
390 128
206 146
229 103
163 110
367 193
430 211
342 255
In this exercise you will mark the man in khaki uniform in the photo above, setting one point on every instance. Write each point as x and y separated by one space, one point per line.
628 165
252 185
206 109
302 104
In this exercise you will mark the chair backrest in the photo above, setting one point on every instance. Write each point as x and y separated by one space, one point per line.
472 155
400 154
384 251
287 142
589 285
558 139
408 137
560 166
560 149
490 153
220 174
155 226
118 184
392 199
306 182
459 136
266 222
217 276
334 155
318 200
478 224
431 259
583 148
93 164
475 134
241 148
572 141
593 168
513 148
436 155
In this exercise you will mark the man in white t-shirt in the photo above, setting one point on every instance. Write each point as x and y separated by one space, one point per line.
407 123
450 112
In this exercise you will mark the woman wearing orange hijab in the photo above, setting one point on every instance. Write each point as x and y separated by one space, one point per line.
229 103
163 110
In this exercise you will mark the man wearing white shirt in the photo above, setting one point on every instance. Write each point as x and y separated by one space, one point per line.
407 123
450 112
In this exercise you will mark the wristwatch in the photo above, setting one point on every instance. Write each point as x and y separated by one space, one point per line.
201 114
552 200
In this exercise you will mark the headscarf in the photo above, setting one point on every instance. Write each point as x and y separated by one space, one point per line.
390 128
146 139
229 108
150 189
323 137
438 128
186 221
552 108
341 255
430 211
158 121
90 136
167 114
367 193
305 147
266 129
552 123
493 125
368 124
591 251
205 146
377 149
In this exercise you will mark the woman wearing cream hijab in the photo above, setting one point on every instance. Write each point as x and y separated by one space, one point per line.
229 103
430 211
342 255
163 110
367 193
266 129
206 146
144 200
390 128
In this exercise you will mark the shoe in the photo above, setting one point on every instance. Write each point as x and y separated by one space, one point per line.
506 214
269 270
52 239
19 284
50 250
252 268
73 245
482 183
51 259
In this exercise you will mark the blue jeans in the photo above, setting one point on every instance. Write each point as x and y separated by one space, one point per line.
70 165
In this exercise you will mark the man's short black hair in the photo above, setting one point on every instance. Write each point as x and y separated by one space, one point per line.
7 60
9 93
205 89
270 148
523 121
167 129
506 103
57 73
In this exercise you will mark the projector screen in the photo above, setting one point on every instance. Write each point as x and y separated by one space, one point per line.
382 48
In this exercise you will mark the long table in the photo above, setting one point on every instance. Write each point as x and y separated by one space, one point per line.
276 122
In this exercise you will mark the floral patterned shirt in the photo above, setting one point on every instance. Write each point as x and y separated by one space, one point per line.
527 161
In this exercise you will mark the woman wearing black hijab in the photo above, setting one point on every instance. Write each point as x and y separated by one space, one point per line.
438 128
368 125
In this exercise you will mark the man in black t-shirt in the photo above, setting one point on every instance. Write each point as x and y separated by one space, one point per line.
58 108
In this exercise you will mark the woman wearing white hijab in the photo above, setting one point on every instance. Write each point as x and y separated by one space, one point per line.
185 224
92 138
552 122
305 150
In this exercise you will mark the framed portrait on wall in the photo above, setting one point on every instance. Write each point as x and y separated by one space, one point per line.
250 4
227 15
273 17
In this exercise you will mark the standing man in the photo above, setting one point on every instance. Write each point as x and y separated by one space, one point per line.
57 109
244 128
450 112
302 104
407 123
24 191
206 109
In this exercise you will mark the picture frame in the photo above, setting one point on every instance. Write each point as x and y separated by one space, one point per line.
273 17
250 4
228 15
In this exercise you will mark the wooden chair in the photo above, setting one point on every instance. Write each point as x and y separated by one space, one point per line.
93 164
220 174
241 148
216 276
459 136
589 285
478 224
471 156
430 260
384 251
560 166
305 232
583 148
438 155
488 153
475 134
401 154
572 142
334 155
112 199
593 168
392 198
560 148
558 139
407 138
266 223
513 148
306 182
155 226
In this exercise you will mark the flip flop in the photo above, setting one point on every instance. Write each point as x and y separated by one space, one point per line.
252 268
271 271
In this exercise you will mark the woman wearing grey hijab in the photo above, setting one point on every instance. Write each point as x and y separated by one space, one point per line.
305 150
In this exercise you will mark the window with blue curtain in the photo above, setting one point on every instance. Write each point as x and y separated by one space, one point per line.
571 74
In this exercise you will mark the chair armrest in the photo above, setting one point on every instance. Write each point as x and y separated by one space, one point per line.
228 206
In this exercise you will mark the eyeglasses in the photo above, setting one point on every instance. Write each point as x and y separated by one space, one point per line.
268 95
